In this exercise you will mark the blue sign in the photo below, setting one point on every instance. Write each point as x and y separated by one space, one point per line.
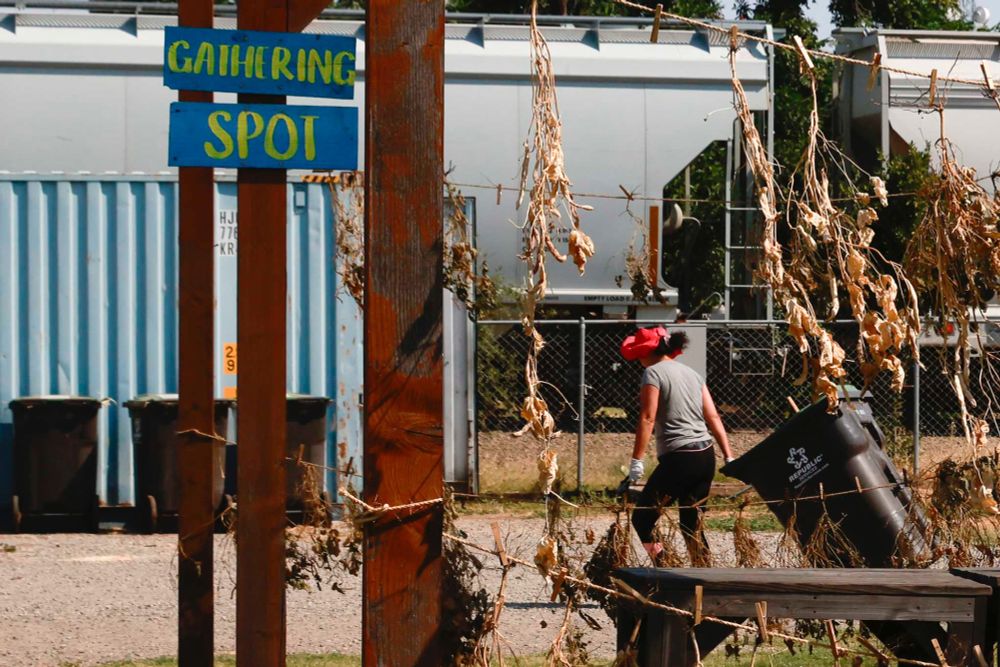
265 136
272 63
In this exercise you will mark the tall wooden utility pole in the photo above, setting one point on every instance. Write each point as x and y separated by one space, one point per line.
196 379
403 441
262 286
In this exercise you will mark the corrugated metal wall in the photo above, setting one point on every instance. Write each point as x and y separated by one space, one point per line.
88 306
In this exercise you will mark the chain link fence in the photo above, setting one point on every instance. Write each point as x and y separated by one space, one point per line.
750 367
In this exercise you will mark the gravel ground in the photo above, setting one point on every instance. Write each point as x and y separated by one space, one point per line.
88 599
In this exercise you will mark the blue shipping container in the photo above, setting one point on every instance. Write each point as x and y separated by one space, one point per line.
88 306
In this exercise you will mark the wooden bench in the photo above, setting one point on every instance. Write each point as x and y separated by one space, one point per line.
991 578
904 608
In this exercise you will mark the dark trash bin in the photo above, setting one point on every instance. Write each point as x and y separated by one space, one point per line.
55 460
838 450
305 430
841 450
155 442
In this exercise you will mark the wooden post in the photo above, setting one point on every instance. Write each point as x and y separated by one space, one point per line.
196 379
403 385
262 284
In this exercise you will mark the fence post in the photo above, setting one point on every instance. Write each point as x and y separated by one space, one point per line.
916 418
582 405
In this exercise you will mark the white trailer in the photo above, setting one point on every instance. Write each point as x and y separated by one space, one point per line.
895 112
85 94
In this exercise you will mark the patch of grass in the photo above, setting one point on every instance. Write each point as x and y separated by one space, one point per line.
298 660
774 655
763 522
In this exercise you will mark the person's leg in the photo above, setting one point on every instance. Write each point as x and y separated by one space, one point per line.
698 469
656 491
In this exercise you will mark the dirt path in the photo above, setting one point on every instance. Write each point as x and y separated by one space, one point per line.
89 599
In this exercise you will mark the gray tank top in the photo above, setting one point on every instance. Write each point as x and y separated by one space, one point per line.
680 419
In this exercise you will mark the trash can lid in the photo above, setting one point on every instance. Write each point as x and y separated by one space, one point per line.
48 399
815 425
143 400
299 399
849 391
307 398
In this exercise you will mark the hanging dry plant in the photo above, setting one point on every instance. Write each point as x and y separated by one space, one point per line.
474 289
745 546
612 552
639 260
829 256
954 260
550 189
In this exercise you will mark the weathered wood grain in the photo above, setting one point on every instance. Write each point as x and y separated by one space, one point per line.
403 441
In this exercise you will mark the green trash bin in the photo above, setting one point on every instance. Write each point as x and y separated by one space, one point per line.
155 442
55 460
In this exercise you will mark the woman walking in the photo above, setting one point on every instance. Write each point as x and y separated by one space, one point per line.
675 404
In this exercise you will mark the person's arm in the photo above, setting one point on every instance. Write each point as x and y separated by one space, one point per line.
714 423
648 397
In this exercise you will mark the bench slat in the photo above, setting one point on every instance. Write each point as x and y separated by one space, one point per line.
847 581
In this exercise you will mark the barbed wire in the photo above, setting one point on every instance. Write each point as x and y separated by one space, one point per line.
631 196
703 503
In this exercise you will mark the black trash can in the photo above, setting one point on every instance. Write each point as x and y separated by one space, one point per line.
305 429
880 524
155 441
55 461
838 450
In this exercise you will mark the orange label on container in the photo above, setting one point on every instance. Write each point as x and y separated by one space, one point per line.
229 359
229 392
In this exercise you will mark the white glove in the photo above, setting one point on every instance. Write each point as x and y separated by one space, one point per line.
636 470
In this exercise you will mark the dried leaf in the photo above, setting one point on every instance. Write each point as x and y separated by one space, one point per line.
880 191
581 248
548 469
547 555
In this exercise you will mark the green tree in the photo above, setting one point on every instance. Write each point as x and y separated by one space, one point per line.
906 173
903 14
792 93
708 256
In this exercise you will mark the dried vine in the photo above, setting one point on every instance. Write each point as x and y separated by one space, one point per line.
954 259
829 254
476 290
543 164
347 195
638 259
